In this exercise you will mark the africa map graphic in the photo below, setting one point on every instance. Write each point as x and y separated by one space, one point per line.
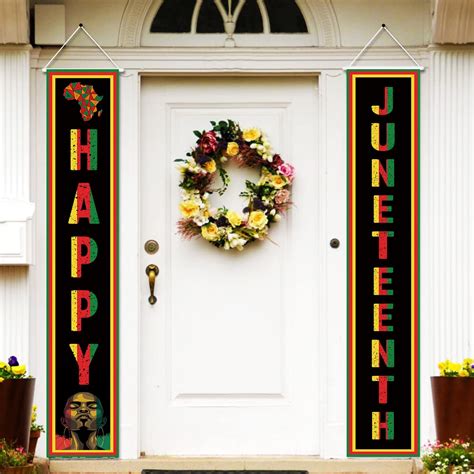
87 98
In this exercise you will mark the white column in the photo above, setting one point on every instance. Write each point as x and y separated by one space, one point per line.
447 324
15 227
14 122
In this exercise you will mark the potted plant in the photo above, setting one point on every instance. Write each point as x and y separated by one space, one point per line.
454 456
14 460
35 433
16 402
451 389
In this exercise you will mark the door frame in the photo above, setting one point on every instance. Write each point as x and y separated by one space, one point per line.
332 390
326 64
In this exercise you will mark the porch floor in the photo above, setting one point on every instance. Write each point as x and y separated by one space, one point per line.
312 464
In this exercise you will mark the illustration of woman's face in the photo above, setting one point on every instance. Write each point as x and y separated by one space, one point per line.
83 410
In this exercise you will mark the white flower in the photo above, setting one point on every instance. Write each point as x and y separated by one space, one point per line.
236 242
200 220
260 148
223 159
253 146
277 218
226 246
273 212
205 196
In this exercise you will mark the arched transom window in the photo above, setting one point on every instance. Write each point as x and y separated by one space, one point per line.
229 22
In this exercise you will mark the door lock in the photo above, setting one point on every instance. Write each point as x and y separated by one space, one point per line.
151 247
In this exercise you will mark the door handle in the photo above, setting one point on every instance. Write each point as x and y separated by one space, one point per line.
152 271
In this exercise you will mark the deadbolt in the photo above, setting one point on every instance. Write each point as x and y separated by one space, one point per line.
151 247
334 243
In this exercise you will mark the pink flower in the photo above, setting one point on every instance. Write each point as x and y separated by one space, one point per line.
287 170
282 196
208 142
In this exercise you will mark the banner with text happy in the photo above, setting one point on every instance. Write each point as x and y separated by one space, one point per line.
82 263
383 262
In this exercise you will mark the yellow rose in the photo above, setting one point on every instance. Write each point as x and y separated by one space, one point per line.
463 373
232 149
3 365
277 181
189 209
210 166
234 218
210 232
1 379
258 220
19 369
467 362
251 134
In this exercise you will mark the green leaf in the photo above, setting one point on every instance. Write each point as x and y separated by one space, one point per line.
197 133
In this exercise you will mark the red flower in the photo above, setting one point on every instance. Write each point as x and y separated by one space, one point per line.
208 142
277 161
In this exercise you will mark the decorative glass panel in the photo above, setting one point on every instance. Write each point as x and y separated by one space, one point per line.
210 20
174 16
250 19
285 17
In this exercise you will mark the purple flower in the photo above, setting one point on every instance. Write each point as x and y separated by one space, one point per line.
13 361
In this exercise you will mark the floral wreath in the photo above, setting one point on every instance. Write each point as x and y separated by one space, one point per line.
266 200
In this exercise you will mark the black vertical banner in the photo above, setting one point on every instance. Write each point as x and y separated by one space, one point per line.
383 263
82 263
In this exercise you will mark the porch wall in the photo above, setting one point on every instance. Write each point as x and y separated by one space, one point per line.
447 207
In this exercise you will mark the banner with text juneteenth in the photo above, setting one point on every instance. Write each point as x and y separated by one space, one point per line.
383 263
82 263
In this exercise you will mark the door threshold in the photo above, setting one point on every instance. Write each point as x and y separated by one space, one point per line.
312 464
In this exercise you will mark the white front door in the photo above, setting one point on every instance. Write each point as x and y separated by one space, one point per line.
229 361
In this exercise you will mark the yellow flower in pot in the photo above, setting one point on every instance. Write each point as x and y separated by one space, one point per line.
16 402
450 390
35 432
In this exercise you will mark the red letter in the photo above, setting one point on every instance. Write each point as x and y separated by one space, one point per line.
383 236
83 360
383 386
83 251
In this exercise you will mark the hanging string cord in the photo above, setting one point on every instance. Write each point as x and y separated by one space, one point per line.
361 52
108 57
401 46
81 27
371 40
